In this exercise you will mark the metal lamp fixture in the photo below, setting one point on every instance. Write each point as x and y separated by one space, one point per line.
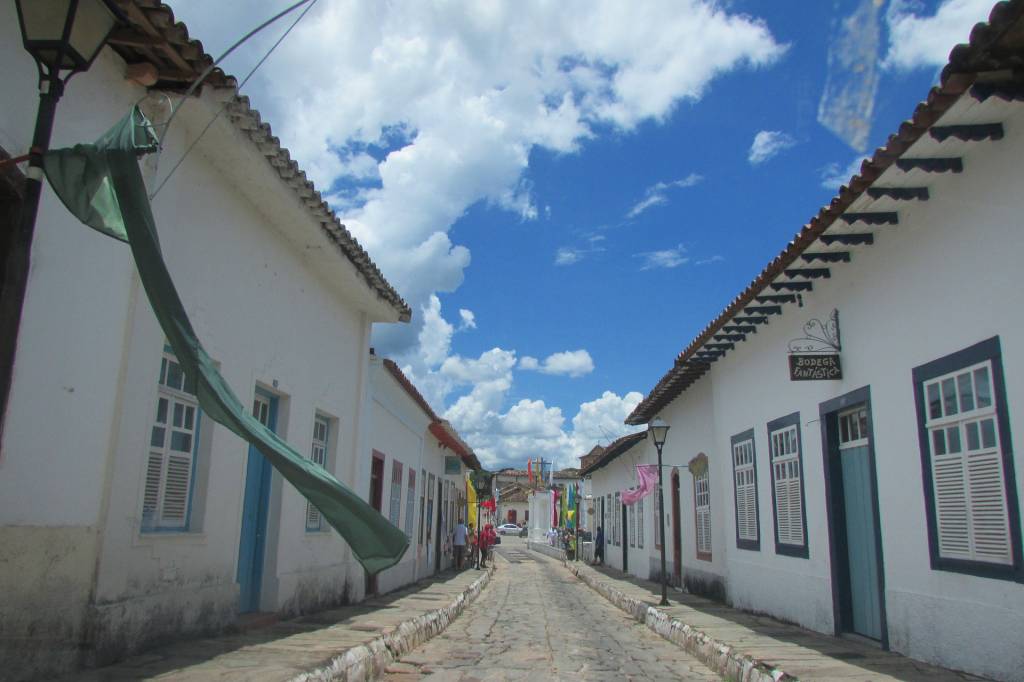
64 37
657 429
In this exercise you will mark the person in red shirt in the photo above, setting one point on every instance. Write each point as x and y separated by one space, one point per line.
488 540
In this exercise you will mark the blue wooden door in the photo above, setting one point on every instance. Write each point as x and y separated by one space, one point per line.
859 506
253 541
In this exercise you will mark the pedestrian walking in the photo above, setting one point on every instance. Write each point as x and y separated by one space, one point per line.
599 546
487 541
459 543
474 547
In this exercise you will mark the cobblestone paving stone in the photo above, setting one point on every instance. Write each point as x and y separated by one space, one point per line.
536 621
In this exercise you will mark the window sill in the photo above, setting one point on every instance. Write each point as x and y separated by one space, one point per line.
979 569
796 551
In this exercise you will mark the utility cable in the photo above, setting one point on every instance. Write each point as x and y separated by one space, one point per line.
245 80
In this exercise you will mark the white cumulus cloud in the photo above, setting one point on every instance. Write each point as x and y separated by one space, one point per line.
926 41
456 95
768 143
533 417
468 319
572 363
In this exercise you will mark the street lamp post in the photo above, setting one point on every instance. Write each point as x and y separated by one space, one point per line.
479 549
64 37
658 430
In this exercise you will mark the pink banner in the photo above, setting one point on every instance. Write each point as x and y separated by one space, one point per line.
647 475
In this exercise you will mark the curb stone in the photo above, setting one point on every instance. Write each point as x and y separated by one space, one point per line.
368 661
546 550
717 655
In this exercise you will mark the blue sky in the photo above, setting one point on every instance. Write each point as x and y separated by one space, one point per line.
567 194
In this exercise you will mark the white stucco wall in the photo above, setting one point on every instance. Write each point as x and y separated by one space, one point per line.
616 477
399 430
942 280
273 301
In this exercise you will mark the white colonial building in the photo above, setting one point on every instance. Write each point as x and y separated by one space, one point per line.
842 449
414 472
126 515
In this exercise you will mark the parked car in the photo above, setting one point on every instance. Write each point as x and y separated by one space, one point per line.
508 528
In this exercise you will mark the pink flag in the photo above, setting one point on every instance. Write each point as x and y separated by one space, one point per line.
647 475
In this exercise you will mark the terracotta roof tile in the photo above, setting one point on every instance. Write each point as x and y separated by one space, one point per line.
440 428
995 53
614 449
154 37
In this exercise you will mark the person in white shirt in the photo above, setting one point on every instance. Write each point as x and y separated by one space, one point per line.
459 542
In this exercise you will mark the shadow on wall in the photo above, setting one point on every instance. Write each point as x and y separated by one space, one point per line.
708 586
312 595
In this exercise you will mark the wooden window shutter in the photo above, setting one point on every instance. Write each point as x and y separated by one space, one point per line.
787 484
971 513
170 458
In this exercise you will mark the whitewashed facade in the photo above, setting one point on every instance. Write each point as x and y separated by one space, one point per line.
121 505
408 446
884 503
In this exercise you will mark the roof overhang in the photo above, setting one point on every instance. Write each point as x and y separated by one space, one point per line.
979 78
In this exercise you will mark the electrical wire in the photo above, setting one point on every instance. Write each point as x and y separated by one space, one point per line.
245 80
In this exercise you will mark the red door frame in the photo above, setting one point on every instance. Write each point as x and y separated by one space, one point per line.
677 532
377 502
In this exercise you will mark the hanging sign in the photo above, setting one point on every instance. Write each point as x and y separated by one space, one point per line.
452 464
815 356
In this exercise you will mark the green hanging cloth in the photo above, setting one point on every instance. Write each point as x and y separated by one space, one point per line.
101 185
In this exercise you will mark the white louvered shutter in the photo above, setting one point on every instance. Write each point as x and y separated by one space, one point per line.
318 455
702 500
170 459
746 494
640 523
410 503
787 480
631 515
967 467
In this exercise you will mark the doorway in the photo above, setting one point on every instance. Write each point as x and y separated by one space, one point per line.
625 545
377 502
15 247
677 533
440 528
854 528
255 507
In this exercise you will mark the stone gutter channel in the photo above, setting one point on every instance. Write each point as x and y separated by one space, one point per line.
368 661
715 654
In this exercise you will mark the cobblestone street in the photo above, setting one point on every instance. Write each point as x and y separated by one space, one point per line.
536 621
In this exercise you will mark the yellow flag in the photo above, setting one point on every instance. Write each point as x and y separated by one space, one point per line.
470 503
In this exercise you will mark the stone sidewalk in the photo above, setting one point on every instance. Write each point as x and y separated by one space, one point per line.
350 643
743 646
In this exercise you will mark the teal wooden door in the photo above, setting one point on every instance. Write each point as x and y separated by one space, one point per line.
858 502
252 542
